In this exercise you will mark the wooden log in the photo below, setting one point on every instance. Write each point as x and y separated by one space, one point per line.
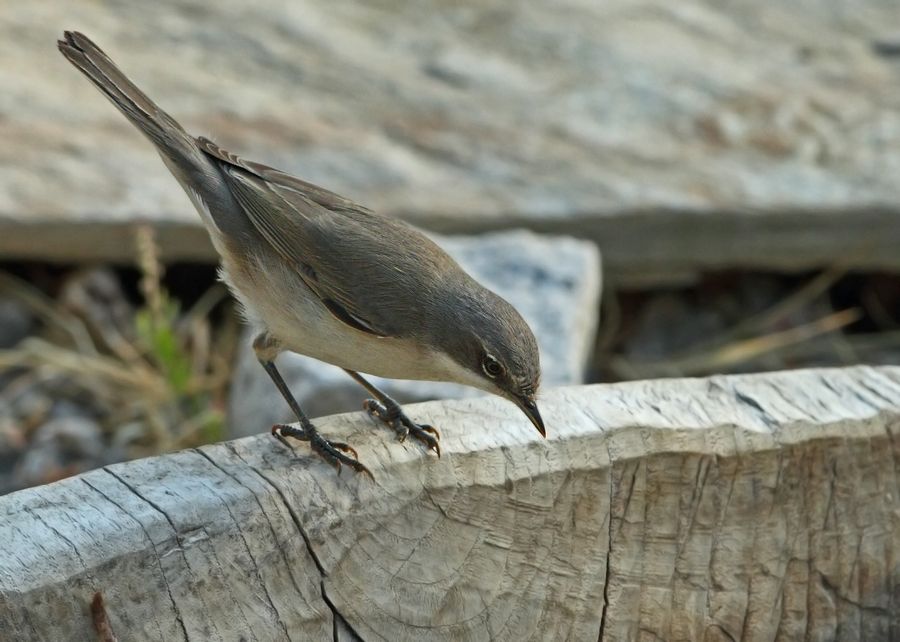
753 507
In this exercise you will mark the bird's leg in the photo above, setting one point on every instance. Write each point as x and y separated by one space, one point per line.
331 451
387 410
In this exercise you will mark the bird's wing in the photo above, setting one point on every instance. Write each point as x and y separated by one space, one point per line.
347 255
318 195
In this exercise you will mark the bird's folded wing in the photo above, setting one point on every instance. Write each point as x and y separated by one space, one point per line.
318 195
297 220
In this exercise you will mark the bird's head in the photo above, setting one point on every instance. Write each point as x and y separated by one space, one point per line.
490 346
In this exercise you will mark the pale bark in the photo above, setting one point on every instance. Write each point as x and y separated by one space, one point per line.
754 507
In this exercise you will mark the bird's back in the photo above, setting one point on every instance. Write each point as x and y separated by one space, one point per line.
363 266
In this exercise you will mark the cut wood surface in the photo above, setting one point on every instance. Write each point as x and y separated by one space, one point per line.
681 137
752 507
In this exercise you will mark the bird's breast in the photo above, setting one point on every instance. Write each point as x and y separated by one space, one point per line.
275 298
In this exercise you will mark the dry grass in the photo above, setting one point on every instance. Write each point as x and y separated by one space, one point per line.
168 372
760 342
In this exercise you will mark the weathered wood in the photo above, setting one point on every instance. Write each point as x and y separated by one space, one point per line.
752 507
663 131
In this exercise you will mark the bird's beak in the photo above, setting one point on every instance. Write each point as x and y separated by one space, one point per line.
529 407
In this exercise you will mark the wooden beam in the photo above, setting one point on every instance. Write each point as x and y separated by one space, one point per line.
747 507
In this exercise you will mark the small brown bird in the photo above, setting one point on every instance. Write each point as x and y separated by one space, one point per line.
320 275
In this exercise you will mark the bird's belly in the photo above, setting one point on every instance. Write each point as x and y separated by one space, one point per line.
276 299
324 337
380 357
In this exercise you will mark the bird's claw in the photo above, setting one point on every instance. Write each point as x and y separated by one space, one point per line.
431 429
403 425
280 431
347 448
331 451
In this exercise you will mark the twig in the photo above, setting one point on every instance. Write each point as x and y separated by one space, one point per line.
101 619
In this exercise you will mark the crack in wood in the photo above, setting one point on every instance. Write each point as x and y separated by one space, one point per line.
178 617
601 636
240 532
175 533
335 613
59 534
757 408
338 619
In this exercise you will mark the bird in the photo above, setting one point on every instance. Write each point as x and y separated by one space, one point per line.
317 274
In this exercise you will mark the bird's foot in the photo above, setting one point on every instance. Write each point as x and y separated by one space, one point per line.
331 451
391 414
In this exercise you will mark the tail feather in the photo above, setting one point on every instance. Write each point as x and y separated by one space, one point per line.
196 171
163 130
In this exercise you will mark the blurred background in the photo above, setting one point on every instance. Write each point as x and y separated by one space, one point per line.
663 189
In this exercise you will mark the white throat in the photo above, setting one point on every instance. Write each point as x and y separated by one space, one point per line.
447 369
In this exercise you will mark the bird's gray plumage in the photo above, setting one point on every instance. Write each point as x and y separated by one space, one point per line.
329 246
328 239
297 254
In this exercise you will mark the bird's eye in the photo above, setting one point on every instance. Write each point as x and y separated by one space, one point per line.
491 367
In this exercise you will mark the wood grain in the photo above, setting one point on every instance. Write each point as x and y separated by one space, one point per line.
750 507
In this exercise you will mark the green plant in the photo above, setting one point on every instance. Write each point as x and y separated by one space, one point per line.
167 371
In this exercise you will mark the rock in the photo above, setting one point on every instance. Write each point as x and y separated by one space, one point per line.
669 324
554 282
31 407
126 436
679 136
96 295
78 437
12 444
61 447
39 465
16 323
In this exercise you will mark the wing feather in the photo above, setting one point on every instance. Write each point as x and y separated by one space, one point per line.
332 242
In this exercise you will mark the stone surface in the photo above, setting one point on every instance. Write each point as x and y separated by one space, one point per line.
679 136
762 507
63 446
16 322
554 282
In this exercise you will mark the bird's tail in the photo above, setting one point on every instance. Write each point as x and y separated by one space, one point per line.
163 130
197 172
